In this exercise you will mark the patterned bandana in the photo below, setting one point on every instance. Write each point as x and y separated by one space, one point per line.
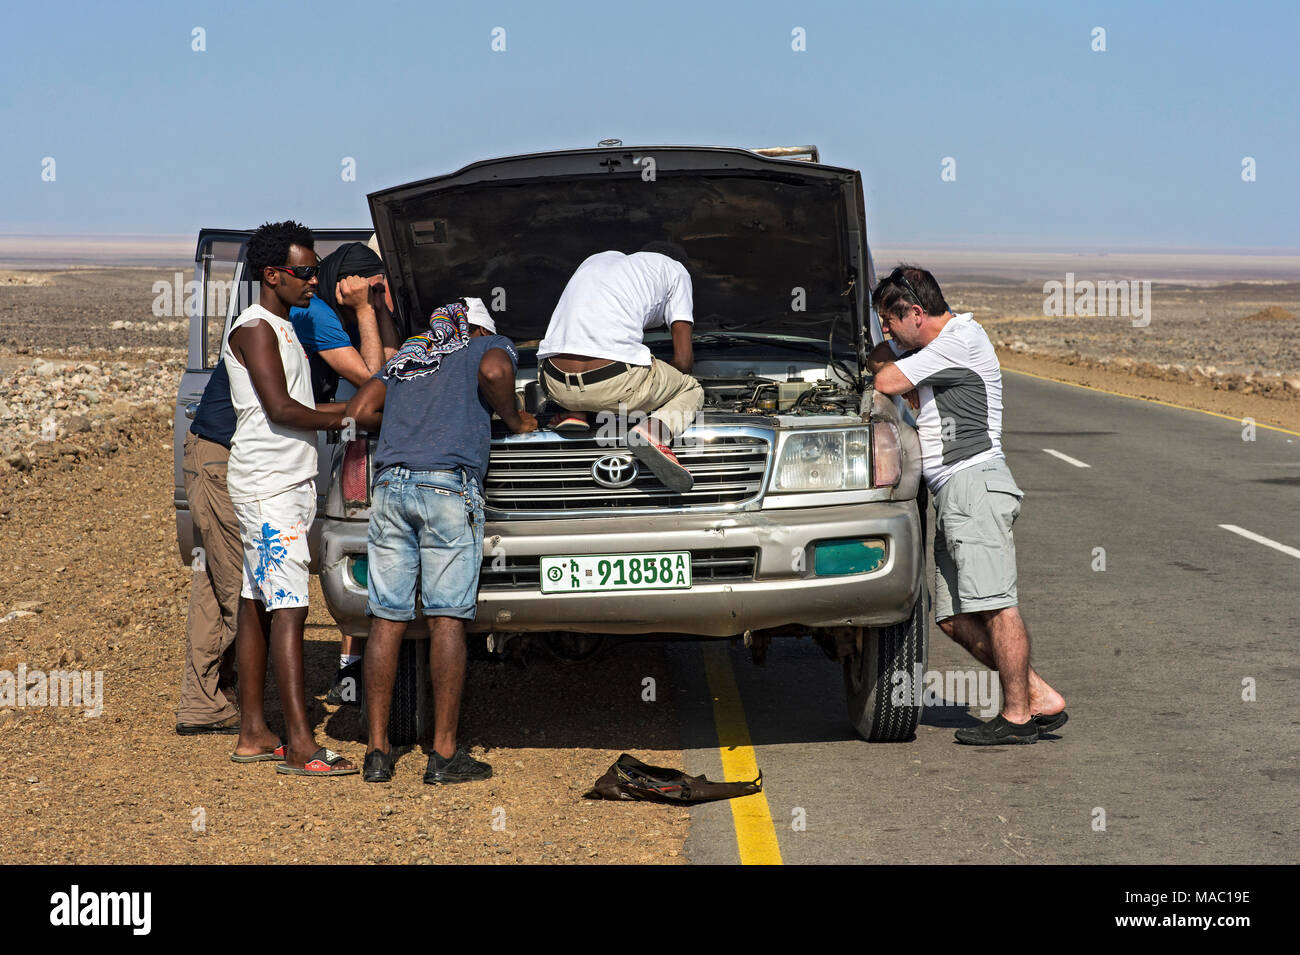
422 354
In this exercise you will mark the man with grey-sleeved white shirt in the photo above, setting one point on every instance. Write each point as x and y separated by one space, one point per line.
946 367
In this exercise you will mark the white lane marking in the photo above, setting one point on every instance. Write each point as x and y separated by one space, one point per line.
1258 539
1066 458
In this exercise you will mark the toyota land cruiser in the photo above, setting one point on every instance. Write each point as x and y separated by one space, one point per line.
804 519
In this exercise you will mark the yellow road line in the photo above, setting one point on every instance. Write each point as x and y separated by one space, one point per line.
1153 401
755 834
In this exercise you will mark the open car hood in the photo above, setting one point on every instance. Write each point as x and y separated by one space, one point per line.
774 246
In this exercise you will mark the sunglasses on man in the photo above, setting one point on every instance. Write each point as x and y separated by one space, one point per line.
304 272
899 277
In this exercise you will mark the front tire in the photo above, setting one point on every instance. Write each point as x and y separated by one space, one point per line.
883 708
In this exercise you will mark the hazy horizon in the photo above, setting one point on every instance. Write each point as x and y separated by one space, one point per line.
35 252
1107 126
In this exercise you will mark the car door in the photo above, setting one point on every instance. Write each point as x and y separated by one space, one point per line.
225 290
217 270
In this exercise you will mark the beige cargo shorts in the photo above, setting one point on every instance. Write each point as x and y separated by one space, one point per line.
974 550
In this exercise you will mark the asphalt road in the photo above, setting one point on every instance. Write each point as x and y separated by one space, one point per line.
1153 655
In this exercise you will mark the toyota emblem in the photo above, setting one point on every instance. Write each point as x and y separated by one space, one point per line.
615 470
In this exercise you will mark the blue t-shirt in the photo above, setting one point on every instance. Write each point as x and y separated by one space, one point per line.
317 327
440 422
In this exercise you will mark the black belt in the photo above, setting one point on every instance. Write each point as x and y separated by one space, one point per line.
592 377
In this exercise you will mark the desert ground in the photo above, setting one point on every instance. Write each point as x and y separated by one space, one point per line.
93 581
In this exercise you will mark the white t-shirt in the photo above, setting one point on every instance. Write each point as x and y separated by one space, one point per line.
267 458
611 300
959 382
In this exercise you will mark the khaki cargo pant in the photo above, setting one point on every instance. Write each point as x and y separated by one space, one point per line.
657 389
974 547
214 592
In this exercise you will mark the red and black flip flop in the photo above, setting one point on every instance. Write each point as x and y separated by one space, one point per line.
323 762
572 422
276 755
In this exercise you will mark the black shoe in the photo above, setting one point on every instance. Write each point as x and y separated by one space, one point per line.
227 727
461 768
1048 724
998 731
378 767
347 686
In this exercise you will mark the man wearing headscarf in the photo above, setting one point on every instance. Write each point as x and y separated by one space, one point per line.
436 395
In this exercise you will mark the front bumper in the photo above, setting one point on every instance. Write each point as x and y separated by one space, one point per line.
784 590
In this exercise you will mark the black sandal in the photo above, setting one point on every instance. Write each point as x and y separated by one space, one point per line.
998 731
1046 723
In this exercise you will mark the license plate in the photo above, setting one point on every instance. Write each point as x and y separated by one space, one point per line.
656 571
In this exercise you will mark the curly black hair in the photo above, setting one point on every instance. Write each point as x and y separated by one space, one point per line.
270 245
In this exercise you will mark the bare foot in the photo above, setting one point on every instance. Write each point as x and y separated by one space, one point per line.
1046 702
257 744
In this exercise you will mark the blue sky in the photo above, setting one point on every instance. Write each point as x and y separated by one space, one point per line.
1140 146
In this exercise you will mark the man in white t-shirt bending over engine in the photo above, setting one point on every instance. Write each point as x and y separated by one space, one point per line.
945 364
593 357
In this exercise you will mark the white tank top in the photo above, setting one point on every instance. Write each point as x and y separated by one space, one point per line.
267 458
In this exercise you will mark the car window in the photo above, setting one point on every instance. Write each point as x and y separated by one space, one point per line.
228 289
217 269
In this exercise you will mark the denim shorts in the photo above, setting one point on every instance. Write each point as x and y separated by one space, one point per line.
974 548
426 527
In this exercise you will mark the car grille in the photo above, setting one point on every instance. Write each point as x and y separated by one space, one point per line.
707 566
555 476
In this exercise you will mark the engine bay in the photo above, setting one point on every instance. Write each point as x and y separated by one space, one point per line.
753 394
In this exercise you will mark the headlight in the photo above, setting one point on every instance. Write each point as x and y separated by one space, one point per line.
825 461
886 456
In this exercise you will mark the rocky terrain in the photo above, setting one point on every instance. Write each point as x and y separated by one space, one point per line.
93 581
1241 337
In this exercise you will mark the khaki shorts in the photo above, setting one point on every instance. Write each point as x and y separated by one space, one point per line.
974 550
658 390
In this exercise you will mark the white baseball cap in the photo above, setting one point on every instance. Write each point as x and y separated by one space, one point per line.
479 315
373 245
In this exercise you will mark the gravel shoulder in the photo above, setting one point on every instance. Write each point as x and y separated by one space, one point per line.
92 561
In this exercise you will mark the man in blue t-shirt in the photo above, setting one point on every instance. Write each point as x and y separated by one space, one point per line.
348 333
437 395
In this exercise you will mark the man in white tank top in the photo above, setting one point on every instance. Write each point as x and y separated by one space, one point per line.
271 477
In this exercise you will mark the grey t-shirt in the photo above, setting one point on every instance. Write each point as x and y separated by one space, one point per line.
959 383
442 421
